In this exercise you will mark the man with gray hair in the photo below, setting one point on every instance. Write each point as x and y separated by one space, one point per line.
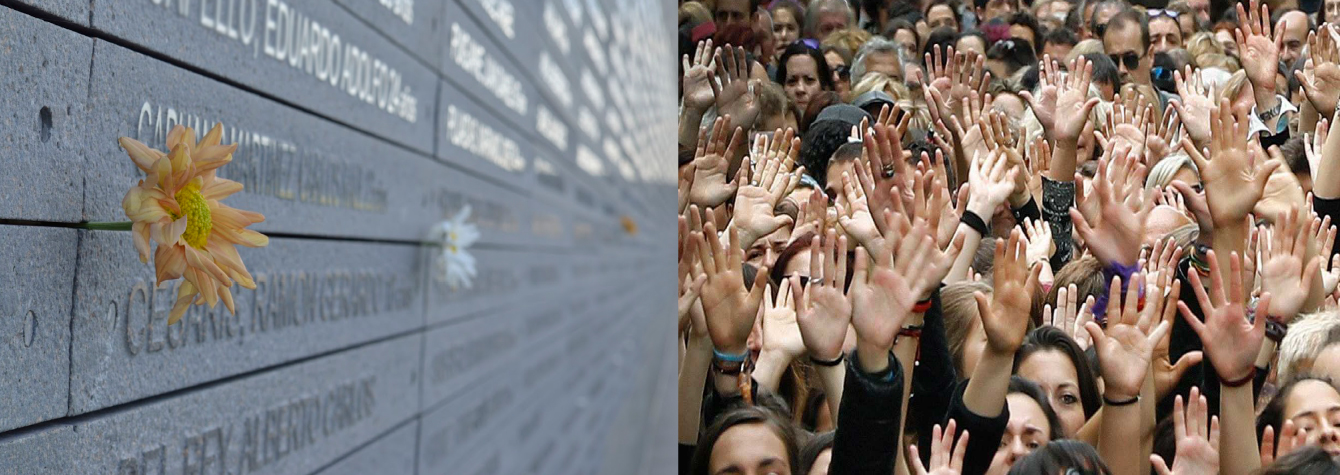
879 55
826 16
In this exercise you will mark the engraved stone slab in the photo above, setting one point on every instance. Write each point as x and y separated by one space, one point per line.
38 265
456 431
480 68
392 453
415 25
70 10
320 58
458 354
500 275
43 87
305 174
291 420
312 296
472 137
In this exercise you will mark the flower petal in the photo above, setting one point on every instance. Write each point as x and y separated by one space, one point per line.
169 263
213 137
219 188
169 234
203 262
140 231
143 156
226 296
185 294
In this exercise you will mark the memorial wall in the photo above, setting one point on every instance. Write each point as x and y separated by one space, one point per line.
360 127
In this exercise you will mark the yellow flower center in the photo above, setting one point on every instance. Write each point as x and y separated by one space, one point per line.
198 220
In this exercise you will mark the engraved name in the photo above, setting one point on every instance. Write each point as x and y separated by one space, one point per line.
558 30
474 59
288 36
447 440
551 128
502 13
449 363
275 167
469 133
589 162
404 9
557 81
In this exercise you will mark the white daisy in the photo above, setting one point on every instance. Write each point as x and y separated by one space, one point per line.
455 265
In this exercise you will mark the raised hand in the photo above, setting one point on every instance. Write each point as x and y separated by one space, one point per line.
1005 316
1128 123
1196 102
1257 48
855 218
1290 438
1282 190
685 187
1167 373
1330 271
946 458
781 333
1232 185
700 85
1159 142
1114 236
991 181
1312 142
1073 103
1126 348
1231 342
730 309
824 312
1044 104
711 186
1197 436
1320 76
689 287
1069 315
883 293
1286 269
756 199
735 98
942 69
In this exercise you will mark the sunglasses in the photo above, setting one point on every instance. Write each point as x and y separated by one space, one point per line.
1155 13
1130 58
843 71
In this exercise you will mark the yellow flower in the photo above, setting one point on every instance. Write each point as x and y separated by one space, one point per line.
177 206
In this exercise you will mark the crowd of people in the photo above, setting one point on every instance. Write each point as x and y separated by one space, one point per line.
1066 237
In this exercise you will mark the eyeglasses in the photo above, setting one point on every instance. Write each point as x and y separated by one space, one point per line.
1130 58
1155 13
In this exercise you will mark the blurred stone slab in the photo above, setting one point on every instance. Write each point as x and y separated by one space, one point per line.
458 354
479 66
472 137
74 11
305 174
312 296
291 420
38 268
456 433
320 58
500 275
392 453
415 26
43 91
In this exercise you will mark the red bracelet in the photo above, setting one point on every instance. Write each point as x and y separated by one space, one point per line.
1251 375
922 306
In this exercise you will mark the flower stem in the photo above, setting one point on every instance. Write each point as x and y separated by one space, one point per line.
109 226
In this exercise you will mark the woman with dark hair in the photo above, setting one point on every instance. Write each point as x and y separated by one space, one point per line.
1062 457
1310 404
1311 460
748 439
816 453
803 72
1032 424
1053 361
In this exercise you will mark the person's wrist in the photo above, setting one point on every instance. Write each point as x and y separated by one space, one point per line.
982 207
871 358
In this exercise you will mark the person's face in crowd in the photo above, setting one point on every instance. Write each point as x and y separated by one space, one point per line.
908 39
1024 33
784 120
828 23
1332 11
1314 406
1164 34
821 462
1054 371
1225 39
886 63
1294 25
970 43
1327 363
1122 44
732 12
1012 105
1187 23
1026 431
1105 14
1057 50
764 251
998 68
802 80
834 186
785 27
996 9
1163 219
749 449
942 16
1202 9
767 45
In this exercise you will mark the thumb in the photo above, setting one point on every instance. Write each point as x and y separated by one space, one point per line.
1028 97
779 221
1159 465
1096 335
1188 360
1263 175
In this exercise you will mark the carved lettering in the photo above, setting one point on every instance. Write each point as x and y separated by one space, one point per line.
556 79
469 133
471 56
